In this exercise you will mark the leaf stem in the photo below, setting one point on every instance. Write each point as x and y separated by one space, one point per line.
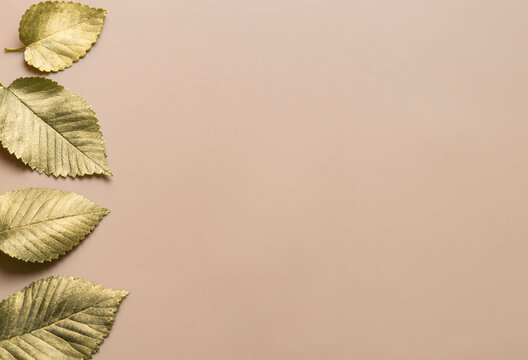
16 49
2 85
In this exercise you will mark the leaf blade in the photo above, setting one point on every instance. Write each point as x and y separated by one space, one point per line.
51 129
38 225
57 34
57 317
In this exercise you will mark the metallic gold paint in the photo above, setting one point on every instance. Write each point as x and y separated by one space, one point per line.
57 34
51 129
57 318
38 225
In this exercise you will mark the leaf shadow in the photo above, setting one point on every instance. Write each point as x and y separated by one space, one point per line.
14 266
19 166
95 177
34 71
6 157
30 69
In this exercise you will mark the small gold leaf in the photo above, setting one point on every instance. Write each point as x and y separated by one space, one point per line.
57 34
39 225
51 129
57 318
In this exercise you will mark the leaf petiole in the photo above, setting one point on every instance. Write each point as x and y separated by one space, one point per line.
15 49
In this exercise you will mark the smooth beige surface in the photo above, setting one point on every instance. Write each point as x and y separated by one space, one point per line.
303 179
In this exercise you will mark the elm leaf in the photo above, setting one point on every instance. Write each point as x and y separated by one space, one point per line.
56 34
38 225
51 129
57 318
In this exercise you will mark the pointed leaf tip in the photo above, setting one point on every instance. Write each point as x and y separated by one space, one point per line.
38 225
51 129
73 318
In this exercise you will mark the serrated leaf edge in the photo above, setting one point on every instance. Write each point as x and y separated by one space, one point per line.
66 2
41 171
123 294
55 257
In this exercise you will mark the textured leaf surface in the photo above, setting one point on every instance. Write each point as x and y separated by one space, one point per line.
39 225
57 318
51 129
57 34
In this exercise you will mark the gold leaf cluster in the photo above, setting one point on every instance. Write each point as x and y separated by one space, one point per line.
54 131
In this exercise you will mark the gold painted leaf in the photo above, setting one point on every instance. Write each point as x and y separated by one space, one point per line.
57 318
39 225
57 34
51 129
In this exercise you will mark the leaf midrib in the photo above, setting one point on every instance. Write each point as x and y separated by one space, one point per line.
55 322
53 219
57 131
61 30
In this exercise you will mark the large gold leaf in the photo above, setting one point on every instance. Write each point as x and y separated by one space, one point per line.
57 318
51 129
39 225
57 34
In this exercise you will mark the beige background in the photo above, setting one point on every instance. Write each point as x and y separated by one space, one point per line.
300 179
